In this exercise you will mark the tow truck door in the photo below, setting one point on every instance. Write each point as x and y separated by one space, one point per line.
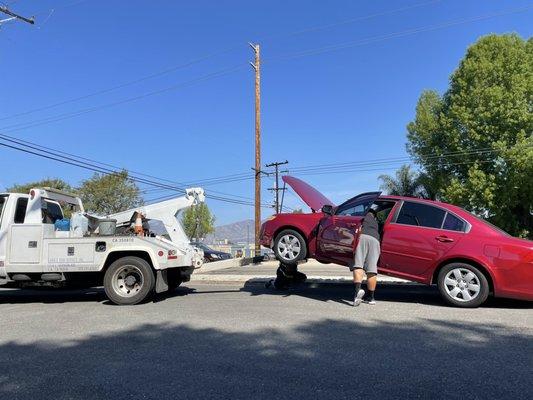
338 233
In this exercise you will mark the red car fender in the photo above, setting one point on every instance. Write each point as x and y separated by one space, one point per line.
305 224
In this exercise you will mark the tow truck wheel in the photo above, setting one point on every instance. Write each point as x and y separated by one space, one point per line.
129 280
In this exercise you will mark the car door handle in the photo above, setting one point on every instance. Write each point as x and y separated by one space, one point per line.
444 239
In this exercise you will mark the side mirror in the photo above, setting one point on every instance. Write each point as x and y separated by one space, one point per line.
327 209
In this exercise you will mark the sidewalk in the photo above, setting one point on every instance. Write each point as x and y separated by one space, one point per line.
229 271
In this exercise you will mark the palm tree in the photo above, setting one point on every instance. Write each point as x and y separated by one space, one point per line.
406 183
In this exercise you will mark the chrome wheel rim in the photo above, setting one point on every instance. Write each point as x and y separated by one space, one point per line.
289 247
128 281
462 285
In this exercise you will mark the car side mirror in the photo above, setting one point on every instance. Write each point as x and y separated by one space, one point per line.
327 209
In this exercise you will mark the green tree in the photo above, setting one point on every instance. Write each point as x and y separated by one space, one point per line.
198 221
107 194
475 142
54 183
405 183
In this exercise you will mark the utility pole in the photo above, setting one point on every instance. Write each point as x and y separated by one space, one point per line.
276 189
13 16
257 169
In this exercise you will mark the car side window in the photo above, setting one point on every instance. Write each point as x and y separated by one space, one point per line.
452 223
419 214
20 210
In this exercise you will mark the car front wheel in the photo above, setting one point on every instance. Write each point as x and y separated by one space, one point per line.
290 247
463 285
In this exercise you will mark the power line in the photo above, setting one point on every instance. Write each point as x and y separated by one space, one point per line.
208 56
123 85
95 163
87 166
60 117
37 150
403 33
14 17
349 21
348 166
276 189
316 51
384 161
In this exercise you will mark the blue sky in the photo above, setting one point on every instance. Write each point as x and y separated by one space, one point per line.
347 105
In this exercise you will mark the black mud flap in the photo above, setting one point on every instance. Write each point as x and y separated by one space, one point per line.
161 281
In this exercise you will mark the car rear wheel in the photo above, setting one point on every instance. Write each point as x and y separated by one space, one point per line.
463 285
290 247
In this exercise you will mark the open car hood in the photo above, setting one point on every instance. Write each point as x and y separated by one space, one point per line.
312 197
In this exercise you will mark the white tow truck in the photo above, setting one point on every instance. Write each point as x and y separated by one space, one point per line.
123 251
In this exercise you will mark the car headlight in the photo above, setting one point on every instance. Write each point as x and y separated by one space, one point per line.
271 218
214 255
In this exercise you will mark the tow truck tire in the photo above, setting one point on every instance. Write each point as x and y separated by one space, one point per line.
129 280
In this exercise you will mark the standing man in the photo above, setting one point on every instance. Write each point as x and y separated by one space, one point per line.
366 258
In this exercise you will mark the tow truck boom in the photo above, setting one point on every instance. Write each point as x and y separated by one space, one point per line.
165 211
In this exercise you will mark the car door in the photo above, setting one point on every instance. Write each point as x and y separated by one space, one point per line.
417 238
337 233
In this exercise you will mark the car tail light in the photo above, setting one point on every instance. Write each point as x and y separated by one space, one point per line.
172 255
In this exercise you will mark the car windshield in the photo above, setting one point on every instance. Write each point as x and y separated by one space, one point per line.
202 246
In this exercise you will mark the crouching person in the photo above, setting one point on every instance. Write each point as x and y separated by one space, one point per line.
366 259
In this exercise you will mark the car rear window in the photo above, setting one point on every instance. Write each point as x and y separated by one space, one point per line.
419 214
452 223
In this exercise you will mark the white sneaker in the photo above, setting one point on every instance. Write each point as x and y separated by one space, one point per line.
358 297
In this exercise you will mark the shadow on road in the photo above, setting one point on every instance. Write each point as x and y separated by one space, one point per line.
66 295
386 292
343 294
327 359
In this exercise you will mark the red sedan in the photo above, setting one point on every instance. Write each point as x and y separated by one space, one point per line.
421 240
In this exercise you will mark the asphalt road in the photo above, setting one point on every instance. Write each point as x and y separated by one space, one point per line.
242 342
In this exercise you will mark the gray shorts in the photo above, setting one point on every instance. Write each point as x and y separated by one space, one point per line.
367 254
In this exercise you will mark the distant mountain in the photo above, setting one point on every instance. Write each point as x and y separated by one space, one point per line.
237 232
